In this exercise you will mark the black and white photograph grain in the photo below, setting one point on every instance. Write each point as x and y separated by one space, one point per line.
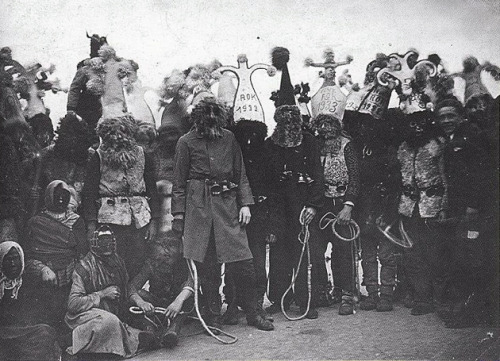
249 180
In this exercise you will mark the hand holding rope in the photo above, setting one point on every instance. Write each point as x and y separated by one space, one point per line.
303 238
331 219
160 322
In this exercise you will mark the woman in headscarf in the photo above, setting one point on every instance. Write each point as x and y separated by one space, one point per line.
97 303
19 341
56 241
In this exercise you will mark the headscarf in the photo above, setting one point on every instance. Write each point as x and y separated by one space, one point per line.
6 283
68 217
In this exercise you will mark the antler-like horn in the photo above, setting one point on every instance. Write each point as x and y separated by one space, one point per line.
429 64
380 78
86 32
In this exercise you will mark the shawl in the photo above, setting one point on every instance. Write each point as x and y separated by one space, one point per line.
99 272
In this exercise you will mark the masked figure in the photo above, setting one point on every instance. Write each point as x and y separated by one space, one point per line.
56 241
251 135
170 286
65 160
341 176
97 303
423 201
295 179
120 190
211 195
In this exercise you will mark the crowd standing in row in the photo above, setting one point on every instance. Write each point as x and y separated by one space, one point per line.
89 217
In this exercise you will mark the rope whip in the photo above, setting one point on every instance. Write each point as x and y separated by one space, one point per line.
158 310
303 238
194 274
354 230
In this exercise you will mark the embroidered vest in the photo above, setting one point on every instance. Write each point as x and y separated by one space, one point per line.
422 172
335 170
122 194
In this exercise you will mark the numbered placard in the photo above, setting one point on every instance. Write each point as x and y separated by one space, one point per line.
329 100
376 102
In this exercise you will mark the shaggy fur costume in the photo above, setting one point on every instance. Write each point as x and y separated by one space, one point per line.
209 118
118 141
73 140
288 131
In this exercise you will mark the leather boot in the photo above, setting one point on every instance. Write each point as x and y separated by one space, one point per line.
260 323
384 304
170 338
369 303
347 304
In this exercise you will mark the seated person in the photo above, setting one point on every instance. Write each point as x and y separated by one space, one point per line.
56 240
97 303
170 285
19 341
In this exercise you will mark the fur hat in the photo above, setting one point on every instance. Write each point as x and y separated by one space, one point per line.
280 57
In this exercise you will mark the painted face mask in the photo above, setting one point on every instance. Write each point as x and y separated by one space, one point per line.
104 242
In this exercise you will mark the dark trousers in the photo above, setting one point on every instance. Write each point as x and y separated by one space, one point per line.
374 248
131 246
240 273
427 263
343 253
256 233
284 257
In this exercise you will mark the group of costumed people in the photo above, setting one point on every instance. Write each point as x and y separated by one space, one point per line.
111 204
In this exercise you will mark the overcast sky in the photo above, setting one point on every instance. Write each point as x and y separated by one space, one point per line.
162 35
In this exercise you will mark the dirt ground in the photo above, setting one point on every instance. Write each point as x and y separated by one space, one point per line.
367 335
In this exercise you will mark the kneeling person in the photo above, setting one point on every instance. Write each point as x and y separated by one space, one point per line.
170 285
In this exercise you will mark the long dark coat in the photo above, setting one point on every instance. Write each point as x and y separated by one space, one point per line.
198 162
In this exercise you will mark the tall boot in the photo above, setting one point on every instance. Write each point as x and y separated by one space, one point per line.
170 338
243 274
347 304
